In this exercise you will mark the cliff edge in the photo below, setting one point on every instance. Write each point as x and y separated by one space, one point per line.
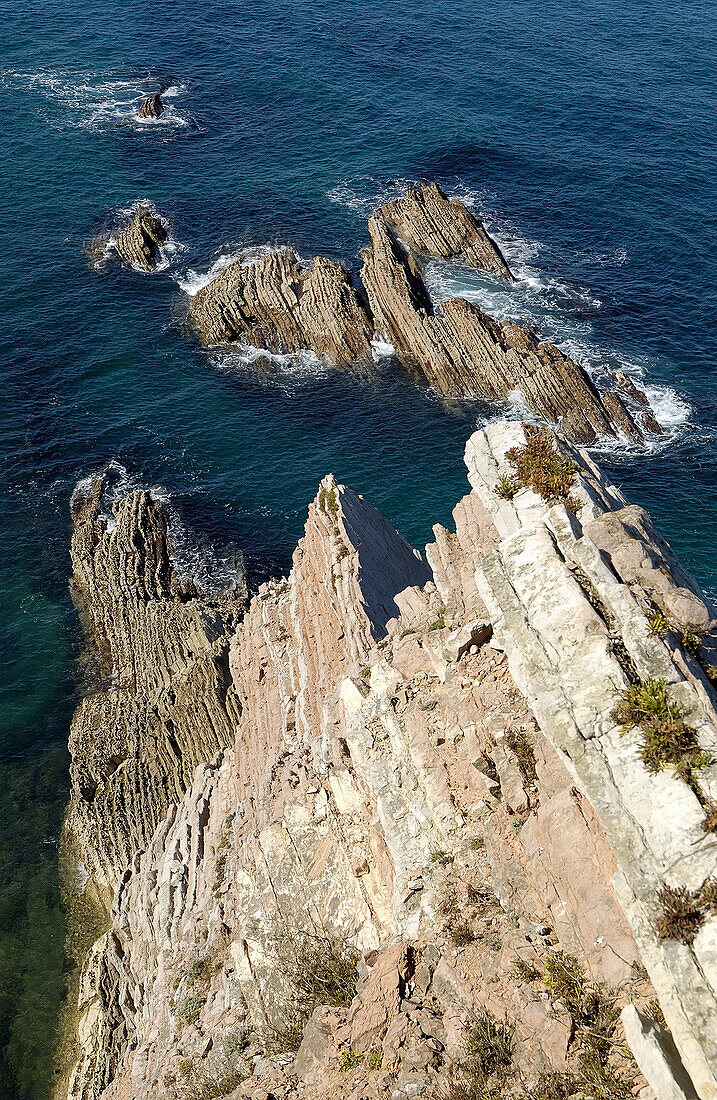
461 841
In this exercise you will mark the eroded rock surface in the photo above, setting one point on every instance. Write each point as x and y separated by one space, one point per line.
433 793
431 224
139 242
152 107
464 353
159 698
275 303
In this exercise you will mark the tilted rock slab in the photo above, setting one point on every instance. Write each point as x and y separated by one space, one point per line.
139 243
274 303
464 353
161 699
431 224
569 598
367 744
152 107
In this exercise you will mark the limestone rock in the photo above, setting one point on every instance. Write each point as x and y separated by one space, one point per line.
430 224
159 698
366 799
139 242
152 107
464 353
274 303
657 1056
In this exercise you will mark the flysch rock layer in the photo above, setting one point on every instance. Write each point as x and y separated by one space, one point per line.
464 353
159 698
273 302
140 240
431 224
376 793
152 106
570 598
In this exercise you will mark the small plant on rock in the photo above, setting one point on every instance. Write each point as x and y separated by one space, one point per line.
189 1008
554 1086
506 488
682 914
349 1060
438 856
462 935
667 740
692 642
488 1045
708 894
523 971
540 466
375 1059
520 744
658 624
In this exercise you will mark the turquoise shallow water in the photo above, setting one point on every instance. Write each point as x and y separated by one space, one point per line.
583 135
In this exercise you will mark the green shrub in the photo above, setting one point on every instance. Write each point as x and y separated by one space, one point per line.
519 743
349 1059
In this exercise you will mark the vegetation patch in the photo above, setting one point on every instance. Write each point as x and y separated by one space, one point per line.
539 466
667 741
319 970
328 501
349 1059
658 624
682 915
189 1008
520 744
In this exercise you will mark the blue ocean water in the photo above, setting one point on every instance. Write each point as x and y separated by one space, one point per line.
582 132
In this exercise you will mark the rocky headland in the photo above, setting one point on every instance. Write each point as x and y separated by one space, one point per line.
275 302
434 825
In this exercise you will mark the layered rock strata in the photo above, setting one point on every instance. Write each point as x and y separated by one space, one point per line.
273 302
159 698
458 807
140 241
464 353
430 224
152 107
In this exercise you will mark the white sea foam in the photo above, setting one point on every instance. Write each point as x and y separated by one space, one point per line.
90 101
380 348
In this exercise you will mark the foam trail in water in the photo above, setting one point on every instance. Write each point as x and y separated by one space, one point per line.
89 101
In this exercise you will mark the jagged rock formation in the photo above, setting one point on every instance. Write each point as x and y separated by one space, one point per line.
159 698
460 808
431 224
152 107
139 242
463 353
273 303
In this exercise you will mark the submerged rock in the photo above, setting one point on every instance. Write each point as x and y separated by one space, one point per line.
139 242
431 224
152 107
276 304
464 353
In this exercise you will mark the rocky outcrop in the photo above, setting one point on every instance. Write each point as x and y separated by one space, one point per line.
573 600
273 302
159 698
152 107
452 803
430 224
139 241
464 353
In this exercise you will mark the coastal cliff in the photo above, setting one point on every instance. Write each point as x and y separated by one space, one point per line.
455 831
